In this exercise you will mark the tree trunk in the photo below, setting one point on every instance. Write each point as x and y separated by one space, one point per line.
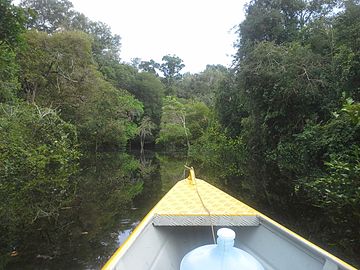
31 96
186 134
142 142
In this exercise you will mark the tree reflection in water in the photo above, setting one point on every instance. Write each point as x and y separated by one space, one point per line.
92 225
114 191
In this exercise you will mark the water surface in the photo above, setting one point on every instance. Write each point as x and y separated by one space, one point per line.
114 191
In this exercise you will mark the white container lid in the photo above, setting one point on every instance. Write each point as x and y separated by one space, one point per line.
226 234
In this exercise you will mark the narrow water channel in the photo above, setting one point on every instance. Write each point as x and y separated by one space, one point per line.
113 192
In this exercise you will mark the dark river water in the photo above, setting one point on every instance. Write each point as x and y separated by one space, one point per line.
113 192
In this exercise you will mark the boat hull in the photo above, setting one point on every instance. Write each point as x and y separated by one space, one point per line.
163 247
184 219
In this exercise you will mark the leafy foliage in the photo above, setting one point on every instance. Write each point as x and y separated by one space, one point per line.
108 119
203 86
278 21
347 56
12 21
147 88
182 122
48 16
58 15
284 80
325 158
11 27
149 66
9 84
38 151
283 101
220 152
58 71
282 87
174 131
146 128
171 67
281 127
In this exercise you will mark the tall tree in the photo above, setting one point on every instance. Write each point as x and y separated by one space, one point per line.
54 69
283 78
171 67
278 21
182 122
150 91
174 131
12 23
106 45
9 85
11 26
58 71
58 15
347 52
202 86
145 129
149 66
49 15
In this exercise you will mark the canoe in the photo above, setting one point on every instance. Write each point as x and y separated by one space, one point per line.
186 217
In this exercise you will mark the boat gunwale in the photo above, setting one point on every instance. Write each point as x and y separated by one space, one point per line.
114 259
207 215
281 230
133 236
265 221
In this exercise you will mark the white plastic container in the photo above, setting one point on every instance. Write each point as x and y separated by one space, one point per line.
223 256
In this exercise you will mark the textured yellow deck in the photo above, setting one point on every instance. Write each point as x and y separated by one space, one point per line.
183 200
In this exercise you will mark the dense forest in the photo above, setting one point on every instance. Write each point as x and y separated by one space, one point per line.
283 119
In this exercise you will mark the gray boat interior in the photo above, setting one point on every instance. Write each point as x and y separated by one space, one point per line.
163 247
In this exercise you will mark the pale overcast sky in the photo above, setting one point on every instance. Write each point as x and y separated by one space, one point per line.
198 31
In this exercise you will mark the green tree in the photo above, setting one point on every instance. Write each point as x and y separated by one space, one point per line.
294 60
9 84
324 162
326 154
11 26
149 66
278 21
105 45
285 76
58 15
198 115
120 75
48 15
171 67
347 55
58 71
182 122
145 129
279 88
55 69
12 22
38 152
150 91
202 86
173 128
108 119
220 153
229 106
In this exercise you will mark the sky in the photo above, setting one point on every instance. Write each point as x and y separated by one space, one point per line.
200 32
